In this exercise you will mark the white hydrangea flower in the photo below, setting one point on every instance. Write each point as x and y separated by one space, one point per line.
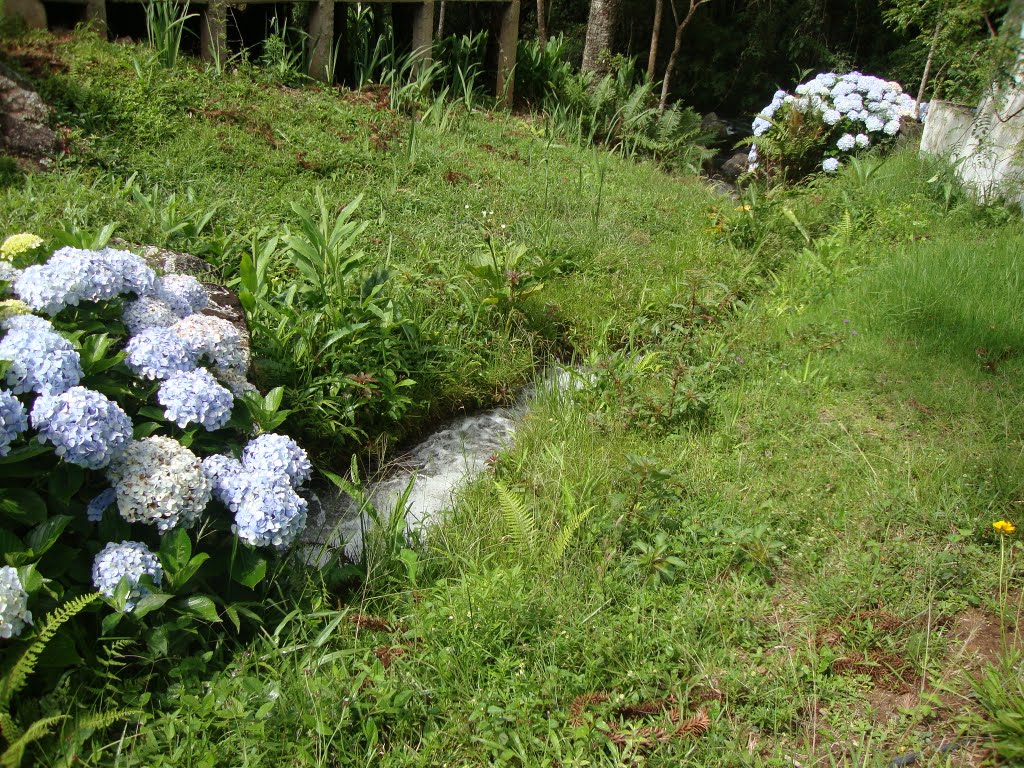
214 338
862 140
846 142
160 482
830 165
14 612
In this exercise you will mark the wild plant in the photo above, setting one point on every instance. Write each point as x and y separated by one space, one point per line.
284 53
329 328
524 531
165 28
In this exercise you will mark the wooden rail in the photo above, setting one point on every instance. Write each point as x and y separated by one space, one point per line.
414 29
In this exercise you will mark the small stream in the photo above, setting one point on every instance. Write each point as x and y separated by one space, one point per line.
438 466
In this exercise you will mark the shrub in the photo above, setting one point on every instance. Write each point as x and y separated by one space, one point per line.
128 462
828 119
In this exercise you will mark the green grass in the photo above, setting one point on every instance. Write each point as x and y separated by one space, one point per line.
792 446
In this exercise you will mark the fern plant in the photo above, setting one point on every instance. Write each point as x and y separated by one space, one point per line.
522 528
15 738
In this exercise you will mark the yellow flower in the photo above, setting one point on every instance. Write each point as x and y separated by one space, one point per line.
20 243
1004 527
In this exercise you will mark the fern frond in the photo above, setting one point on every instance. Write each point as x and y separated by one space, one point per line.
9 730
16 678
520 523
568 531
15 752
844 229
102 720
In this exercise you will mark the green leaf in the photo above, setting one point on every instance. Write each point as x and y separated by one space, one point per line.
31 579
187 571
145 429
65 480
150 603
22 505
9 542
158 640
175 550
203 607
248 568
272 400
45 535
30 451
110 622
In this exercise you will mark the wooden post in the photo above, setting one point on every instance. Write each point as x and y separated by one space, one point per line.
213 31
423 32
321 40
508 39
96 15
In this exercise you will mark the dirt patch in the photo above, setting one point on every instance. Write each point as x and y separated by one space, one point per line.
976 640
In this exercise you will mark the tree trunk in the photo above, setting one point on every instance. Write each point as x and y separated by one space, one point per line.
542 22
604 15
652 57
677 46
927 68
440 19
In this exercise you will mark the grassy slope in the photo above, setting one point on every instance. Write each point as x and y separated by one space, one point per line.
801 560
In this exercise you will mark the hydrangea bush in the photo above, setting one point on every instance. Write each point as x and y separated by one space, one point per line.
826 120
134 456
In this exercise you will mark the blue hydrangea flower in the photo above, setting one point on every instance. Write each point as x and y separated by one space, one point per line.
84 427
41 359
147 312
73 275
100 503
136 275
158 353
183 293
14 612
8 272
195 397
13 420
219 470
830 165
130 560
277 455
268 512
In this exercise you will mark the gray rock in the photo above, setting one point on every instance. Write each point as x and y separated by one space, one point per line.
714 127
735 166
24 118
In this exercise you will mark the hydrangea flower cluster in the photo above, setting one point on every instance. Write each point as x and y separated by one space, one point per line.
99 504
853 107
160 482
15 245
214 338
158 353
8 272
14 613
73 275
85 428
260 490
41 359
129 560
147 312
13 420
182 293
195 397
277 455
269 511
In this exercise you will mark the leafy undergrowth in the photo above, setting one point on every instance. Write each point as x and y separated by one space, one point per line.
756 529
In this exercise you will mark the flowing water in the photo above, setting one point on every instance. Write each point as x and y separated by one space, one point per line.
437 467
